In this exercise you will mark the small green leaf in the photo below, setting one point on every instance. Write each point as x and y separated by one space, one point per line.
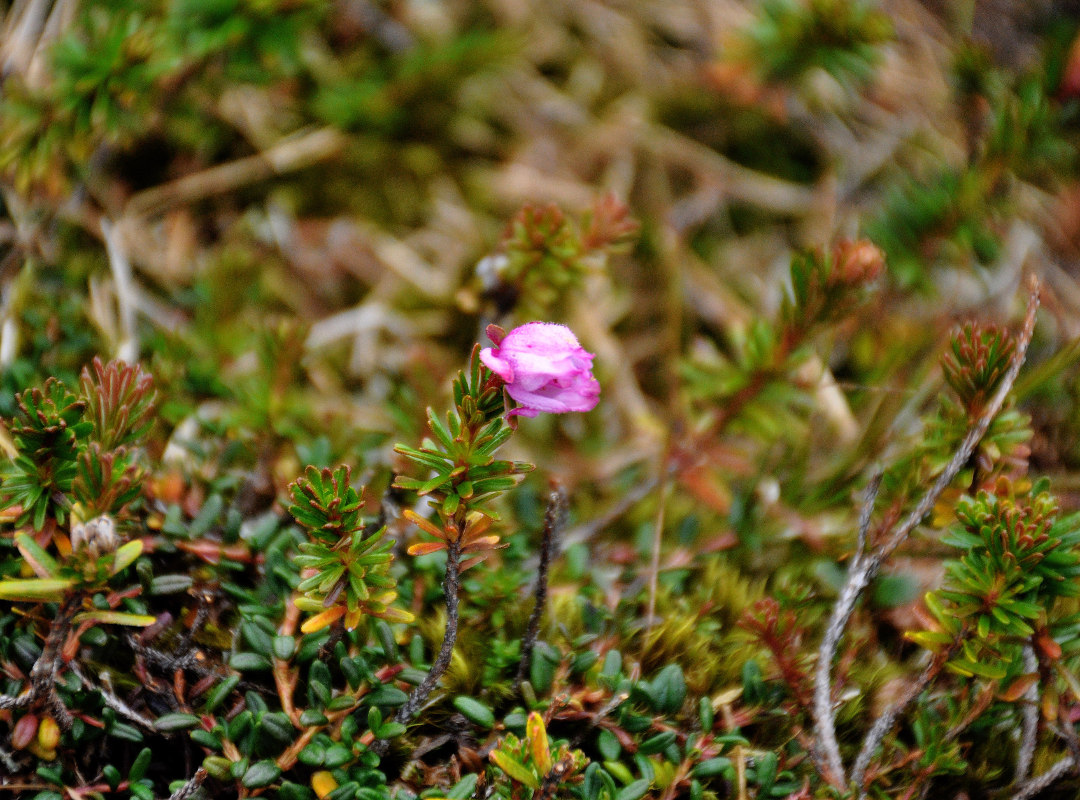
34 590
475 711
126 554
712 767
218 694
176 721
249 662
386 696
261 773
39 560
516 770
140 764
115 618
635 791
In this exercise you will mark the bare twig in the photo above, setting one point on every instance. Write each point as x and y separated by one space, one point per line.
586 530
830 763
654 561
554 518
127 348
23 26
451 588
295 153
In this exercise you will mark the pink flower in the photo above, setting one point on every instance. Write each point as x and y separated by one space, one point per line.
545 368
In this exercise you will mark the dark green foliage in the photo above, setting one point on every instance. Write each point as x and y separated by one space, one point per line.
351 570
1018 558
462 456
47 430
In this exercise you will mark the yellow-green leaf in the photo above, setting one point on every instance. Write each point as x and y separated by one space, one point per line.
115 618
34 590
126 554
41 562
516 771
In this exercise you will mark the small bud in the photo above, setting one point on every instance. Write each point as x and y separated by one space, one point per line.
97 536
857 262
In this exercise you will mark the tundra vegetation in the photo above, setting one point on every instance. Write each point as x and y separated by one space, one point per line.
578 399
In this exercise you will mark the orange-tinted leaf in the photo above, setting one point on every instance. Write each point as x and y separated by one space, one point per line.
481 543
423 524
1018 688
1046 644
323 619
423 548
472 562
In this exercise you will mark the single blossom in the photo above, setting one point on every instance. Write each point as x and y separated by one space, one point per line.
545 368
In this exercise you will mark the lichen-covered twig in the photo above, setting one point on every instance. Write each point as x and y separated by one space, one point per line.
554 518
862 571
1036 785
43 675
109 698
192 785
826 749
1029 715
885 722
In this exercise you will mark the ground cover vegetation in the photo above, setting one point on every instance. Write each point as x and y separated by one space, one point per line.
779 501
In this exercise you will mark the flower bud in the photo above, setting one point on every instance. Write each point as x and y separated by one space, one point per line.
96 537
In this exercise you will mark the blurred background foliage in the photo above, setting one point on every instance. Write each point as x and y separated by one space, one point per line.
300 216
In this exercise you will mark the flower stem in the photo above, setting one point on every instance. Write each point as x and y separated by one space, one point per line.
451 587
553 522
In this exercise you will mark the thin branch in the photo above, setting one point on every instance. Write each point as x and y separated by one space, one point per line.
43 675
1029 716
827 748
192 785
111 699
830 763
451 588
128 347
554 518
975 434
865 516
295 153
1051 776
885 722
654 560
